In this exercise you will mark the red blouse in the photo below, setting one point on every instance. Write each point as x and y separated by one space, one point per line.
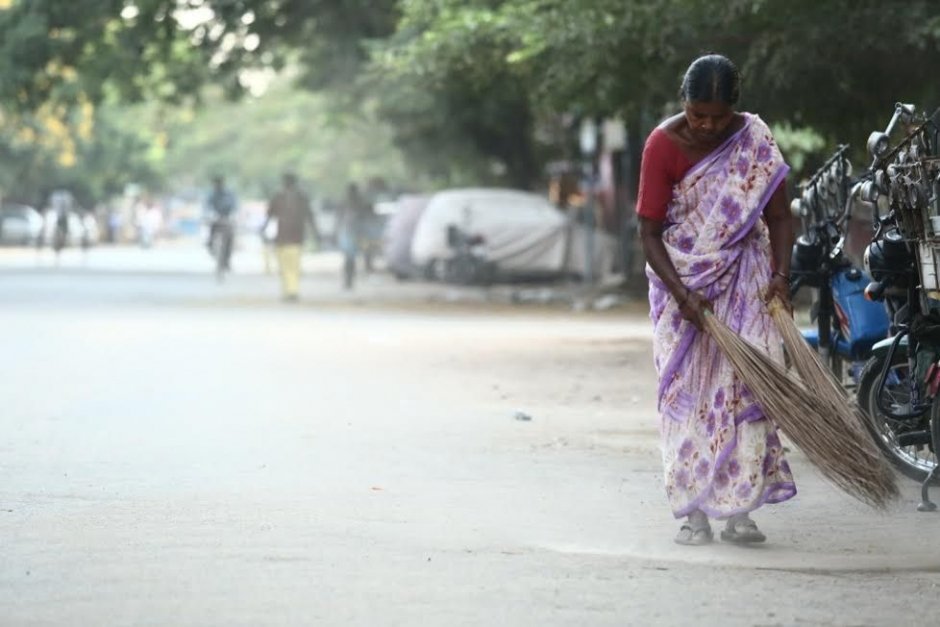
663 165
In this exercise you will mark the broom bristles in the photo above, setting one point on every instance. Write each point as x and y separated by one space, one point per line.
845 416
817 416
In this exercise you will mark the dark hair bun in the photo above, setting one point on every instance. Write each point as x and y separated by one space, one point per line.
711 78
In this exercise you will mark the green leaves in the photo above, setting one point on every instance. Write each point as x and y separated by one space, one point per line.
467 83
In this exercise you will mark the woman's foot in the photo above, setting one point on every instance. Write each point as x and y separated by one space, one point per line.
694 537
742 530
695 532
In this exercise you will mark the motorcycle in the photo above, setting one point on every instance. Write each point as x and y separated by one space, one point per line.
899 384
847 324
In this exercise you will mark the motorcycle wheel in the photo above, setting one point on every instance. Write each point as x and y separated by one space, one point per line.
915 461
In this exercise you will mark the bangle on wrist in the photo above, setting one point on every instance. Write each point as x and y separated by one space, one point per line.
785 277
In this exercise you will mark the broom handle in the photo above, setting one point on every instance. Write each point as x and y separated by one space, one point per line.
773 306
776 305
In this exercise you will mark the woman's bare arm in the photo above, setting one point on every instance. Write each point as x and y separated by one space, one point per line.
692 305
780 225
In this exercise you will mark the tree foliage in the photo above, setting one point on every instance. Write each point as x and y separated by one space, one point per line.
169 49
252 142
39 153
470 85
836 66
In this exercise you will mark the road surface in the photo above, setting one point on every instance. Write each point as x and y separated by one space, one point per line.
178 452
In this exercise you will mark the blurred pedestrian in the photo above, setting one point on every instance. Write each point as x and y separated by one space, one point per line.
61 202
221 205
716 230
290 208
268 252
352 222
114 226
150 223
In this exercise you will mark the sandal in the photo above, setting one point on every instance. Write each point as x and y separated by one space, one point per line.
742 531
694 537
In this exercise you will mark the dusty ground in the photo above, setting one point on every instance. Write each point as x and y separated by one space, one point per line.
175 452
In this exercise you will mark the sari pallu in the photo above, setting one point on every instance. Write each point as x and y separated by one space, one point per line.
721 455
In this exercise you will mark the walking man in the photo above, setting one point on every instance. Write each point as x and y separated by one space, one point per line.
290 207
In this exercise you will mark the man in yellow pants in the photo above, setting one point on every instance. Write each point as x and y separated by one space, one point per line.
291 208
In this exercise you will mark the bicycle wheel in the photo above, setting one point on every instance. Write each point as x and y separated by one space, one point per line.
906 443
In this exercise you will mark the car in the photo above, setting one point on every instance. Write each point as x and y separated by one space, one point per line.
398 233
20 225
508 235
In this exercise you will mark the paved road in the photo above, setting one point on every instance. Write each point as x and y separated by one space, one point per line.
175 452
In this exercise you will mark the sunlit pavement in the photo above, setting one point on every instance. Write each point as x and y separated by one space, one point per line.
178 452
166 256
183 271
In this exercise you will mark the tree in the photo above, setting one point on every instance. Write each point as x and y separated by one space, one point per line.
252 142
835 66
475 79
41 155
168 50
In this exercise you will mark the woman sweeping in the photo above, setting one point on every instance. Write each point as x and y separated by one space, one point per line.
716 231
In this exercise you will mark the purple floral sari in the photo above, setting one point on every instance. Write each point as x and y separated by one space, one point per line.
721 455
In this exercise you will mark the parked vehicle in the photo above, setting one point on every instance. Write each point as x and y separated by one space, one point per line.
20 225
522 235
468 265
847 324
899 385
398 233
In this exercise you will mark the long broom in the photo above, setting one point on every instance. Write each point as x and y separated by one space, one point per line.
844 412
824 428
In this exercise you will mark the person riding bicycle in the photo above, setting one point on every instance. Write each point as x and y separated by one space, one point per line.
221 205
